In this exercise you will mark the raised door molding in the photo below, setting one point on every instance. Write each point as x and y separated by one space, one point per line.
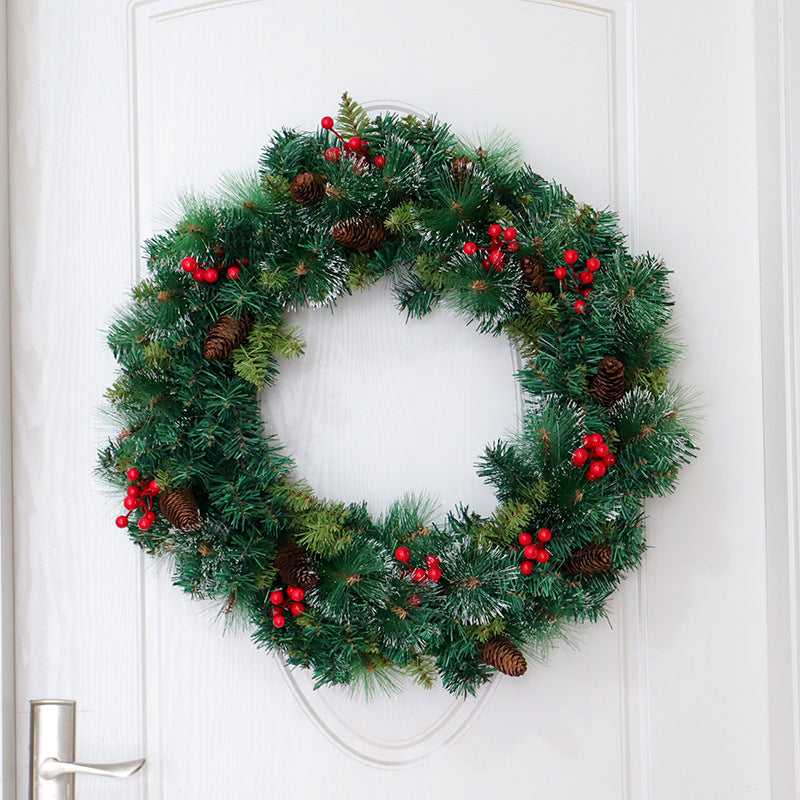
614 38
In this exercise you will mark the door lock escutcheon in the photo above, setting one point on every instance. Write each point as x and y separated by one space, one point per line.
53 766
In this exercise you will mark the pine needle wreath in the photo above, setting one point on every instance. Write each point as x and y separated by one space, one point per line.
352 597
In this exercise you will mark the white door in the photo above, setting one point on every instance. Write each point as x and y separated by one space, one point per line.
649 107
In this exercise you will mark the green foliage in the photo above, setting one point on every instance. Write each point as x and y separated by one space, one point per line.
352 120
255 359
192 422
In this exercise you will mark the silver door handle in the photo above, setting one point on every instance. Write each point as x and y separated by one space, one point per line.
53 766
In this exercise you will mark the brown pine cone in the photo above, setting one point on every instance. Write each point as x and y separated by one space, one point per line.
499 653
534 278
180 508
589 560
307 188
294 567
608 385
360 233
225 336
461 168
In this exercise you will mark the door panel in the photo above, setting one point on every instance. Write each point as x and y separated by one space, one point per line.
330 407
114 109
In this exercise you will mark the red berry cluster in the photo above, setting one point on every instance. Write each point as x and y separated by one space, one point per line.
355 146
581 279
434 572
596 450
139 496
210 272
496 259
534 552
291 602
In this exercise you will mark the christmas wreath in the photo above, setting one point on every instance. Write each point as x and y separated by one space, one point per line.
355 598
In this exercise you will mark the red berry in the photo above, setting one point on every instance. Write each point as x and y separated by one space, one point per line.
530 551
380 161
432 561
144 523
243 261
586 277
525 539
513 247
333 153
580 457
470 248
233 273
131 502
499 267
496 257
526 567
592 264
122 522
495 230
276 597
571 256
586 292
434 573
276 611
212 275
402 554
218 249
595 440
598 469
591 478
199 275
545 535
610 460
296 593
297 609
542 556
133 491
153 487
561 273
580 306
509 234
278 622
133 474
189 264
150 515
486 265
327 123
415 601
355 143
419 575
601 450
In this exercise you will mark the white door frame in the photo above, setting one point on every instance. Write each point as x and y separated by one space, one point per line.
7 704
776 49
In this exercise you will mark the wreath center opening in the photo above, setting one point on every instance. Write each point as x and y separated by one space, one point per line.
378 407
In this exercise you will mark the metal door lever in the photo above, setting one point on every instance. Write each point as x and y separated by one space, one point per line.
53 766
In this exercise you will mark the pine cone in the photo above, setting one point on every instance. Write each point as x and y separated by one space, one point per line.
294 567
589 560
608 385
307 188
534 278
360 233
499 653
225 336
180 508
461 168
